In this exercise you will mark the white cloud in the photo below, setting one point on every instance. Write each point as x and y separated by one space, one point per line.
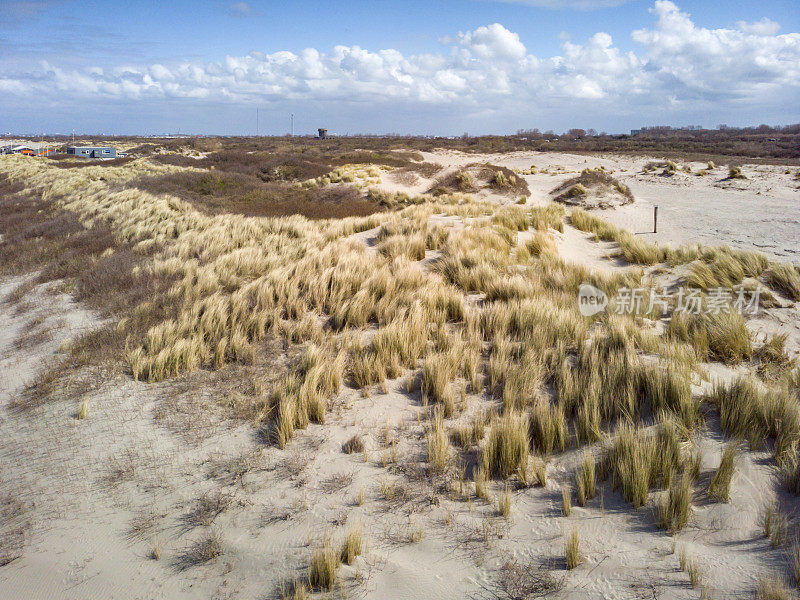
676 65
765 26
494 41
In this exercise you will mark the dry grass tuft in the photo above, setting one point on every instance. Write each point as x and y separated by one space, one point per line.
735 172
773 587
572 553
585 479
353 544
520 581
438 444
720 485
205 550
507 447
504 503
675 505
323 566
354 444
785 278
722 336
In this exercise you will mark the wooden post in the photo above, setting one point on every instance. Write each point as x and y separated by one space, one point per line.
655 219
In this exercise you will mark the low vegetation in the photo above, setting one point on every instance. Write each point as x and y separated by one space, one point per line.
720 485
572 552
595 188
295 279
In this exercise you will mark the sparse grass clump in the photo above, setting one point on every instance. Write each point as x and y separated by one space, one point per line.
572 553
353 544
550 216
205 550
566 501
785 278
749 412
354 444
640 461
735 172
722 336
322 569
83 409
438 444
774 362
548 428
773 587
507 447
504 503
720 485
675 505
585 479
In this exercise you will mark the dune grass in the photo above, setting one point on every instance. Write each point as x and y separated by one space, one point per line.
323 567
566 501
585 478
507 446
784 278
720 485
572 552
674 507
773 587
353 544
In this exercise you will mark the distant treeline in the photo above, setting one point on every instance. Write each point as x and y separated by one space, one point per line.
763 143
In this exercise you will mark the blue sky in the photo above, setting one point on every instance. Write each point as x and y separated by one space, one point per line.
443 67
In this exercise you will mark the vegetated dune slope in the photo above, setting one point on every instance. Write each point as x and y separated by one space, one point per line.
392 405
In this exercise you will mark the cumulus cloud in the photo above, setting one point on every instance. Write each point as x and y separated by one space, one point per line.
494 41
764 26
675 64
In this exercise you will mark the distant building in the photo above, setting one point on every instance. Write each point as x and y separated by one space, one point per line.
636 131
93 151
323 133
